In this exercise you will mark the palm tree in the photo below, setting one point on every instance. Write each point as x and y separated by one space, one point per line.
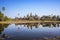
3 8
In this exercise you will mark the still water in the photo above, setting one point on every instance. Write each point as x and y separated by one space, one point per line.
29 31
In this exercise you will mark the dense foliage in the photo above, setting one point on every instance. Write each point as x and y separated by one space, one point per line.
2 17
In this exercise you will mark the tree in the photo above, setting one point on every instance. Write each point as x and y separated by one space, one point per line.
5 18
3 8
1 16
58 17
54 17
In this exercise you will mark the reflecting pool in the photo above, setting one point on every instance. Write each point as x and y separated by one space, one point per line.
29 31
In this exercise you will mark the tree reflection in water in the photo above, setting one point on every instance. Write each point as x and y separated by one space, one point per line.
30 26
2 26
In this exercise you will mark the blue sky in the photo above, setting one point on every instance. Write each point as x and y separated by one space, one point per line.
24 7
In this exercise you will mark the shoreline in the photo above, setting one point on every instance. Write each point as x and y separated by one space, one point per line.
10 22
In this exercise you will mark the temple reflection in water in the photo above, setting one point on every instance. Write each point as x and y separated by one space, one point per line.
26 28
36 25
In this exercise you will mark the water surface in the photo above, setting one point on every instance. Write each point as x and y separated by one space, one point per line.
29 31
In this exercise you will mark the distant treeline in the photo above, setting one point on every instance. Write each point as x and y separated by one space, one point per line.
36 17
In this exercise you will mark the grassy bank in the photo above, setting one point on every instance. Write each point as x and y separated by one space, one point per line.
25 21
